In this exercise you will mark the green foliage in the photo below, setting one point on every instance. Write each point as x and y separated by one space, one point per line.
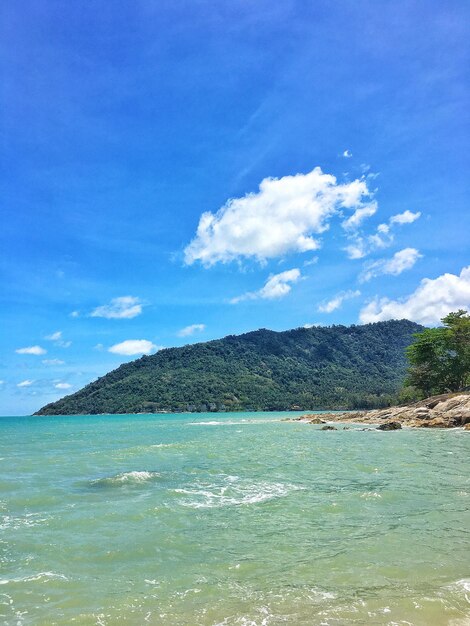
333 367
440 357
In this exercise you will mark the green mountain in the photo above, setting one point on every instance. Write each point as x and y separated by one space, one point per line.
321 367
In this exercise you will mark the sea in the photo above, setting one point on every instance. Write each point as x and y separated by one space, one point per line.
231 519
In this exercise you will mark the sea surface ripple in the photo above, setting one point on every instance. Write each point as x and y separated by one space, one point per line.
231 519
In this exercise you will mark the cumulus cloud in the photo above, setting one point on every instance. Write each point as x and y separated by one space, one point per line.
432 300
280 218
407 217
190 330
53 362
277 286
400 261
36 350
361 245
62 385
54 336
133 346
25 383
124 307
337 301
347 154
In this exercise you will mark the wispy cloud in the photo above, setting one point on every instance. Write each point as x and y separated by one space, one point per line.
337 301
130 347
25 383
54 336
400 262
347 154
361 244
277 286
282 217
36 350
190 330
407 217
124 307
432 300
63 386
53 362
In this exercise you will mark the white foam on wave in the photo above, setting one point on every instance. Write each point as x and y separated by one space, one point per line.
26 521
233 422
40 576
232 491
462 586
134 477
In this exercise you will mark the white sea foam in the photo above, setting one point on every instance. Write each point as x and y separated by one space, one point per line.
232 491
26 521
40 576
228 422
126 478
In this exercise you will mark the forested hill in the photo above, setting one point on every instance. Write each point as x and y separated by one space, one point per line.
320 367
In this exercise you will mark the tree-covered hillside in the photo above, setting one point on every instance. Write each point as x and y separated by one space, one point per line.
321 367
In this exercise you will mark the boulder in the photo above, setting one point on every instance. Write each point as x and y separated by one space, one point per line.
329 428
389 426
316 420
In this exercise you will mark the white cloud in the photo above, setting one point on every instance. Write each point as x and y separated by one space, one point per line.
337 301
277 286
361 245
407 217
63 386
133 346
347 154
75 314
25 383
36 350
281 217
53 362
54 336
359 216
401 261
124 307
190 330
432 300
2 382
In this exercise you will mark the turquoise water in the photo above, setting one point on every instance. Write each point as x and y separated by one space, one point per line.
231 519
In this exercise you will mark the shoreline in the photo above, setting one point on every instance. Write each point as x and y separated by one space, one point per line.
444 411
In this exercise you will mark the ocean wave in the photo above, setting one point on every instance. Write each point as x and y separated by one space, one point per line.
461 587
233 422
26 521
41 576
232 491
125 478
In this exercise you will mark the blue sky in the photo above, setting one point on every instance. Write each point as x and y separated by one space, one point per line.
321 148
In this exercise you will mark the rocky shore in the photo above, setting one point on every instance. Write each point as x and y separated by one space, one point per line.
444 411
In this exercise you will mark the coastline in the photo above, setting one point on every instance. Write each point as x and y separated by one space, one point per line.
444 411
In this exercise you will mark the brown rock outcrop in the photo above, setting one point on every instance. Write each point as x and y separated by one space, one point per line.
444 411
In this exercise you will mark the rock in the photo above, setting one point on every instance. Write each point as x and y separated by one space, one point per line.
466 427
438 422
329 428
389 426
316 420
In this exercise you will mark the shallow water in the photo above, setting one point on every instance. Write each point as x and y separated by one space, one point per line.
233 519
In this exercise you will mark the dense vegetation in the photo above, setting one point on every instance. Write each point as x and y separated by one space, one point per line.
322 367
440 357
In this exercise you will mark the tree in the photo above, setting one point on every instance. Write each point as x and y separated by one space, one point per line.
440 357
